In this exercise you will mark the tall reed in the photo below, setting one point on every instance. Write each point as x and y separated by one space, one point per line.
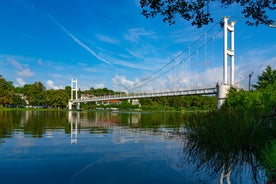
228 138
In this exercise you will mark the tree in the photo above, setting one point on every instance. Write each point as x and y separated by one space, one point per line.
6 91
197 11
57 98
243 100
67 89
35 93
17 101
268 77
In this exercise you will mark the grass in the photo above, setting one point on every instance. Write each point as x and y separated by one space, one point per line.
227 138
269 160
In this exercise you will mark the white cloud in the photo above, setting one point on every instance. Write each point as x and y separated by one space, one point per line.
25 73
107 39
120 83
50 84
170 81
193 79
97 86
16 64
20 81
134 34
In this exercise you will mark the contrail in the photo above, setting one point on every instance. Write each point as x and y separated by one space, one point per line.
75 39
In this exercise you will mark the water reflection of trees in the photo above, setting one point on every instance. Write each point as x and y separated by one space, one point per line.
33 123
222 145
9 121
227 144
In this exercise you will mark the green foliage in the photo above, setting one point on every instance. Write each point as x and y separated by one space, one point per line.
35 93
180 103
269 96
264 100
258 107
198 11
124 105
269 159
267 78
17 101
68 91
6 91
57 98
227 130
264 97
228 138
100 92
243 100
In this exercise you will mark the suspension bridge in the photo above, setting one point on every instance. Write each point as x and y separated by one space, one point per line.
220 89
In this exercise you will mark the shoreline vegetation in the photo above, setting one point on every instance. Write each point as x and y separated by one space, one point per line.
243 131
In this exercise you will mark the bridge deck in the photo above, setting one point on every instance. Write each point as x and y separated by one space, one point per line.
186 92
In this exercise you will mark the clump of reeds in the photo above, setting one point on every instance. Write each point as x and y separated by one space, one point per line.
228 138
269 160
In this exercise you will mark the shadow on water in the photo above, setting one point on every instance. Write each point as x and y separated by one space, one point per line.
229 145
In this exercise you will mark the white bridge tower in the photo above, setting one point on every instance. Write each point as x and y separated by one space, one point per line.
74 88
224 87
228 27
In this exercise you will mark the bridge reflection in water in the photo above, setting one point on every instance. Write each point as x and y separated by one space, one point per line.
116 147
108 121
125 128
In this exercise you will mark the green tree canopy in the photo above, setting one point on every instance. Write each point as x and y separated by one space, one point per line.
266 78
57 98
262 98
35 93
6 91
197 11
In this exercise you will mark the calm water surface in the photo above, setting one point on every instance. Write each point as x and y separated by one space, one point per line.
102 147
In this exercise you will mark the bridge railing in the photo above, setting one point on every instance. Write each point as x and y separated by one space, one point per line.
211 89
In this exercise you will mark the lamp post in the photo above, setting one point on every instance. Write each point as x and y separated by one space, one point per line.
249 83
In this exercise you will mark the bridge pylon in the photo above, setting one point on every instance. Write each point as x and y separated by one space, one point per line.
223 88
222 91
74 88
228 27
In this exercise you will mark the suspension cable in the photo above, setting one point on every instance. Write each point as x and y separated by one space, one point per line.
141 83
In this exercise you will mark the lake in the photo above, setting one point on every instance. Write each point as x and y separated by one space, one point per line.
106 147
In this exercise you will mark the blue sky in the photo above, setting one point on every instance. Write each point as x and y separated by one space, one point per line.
107 43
